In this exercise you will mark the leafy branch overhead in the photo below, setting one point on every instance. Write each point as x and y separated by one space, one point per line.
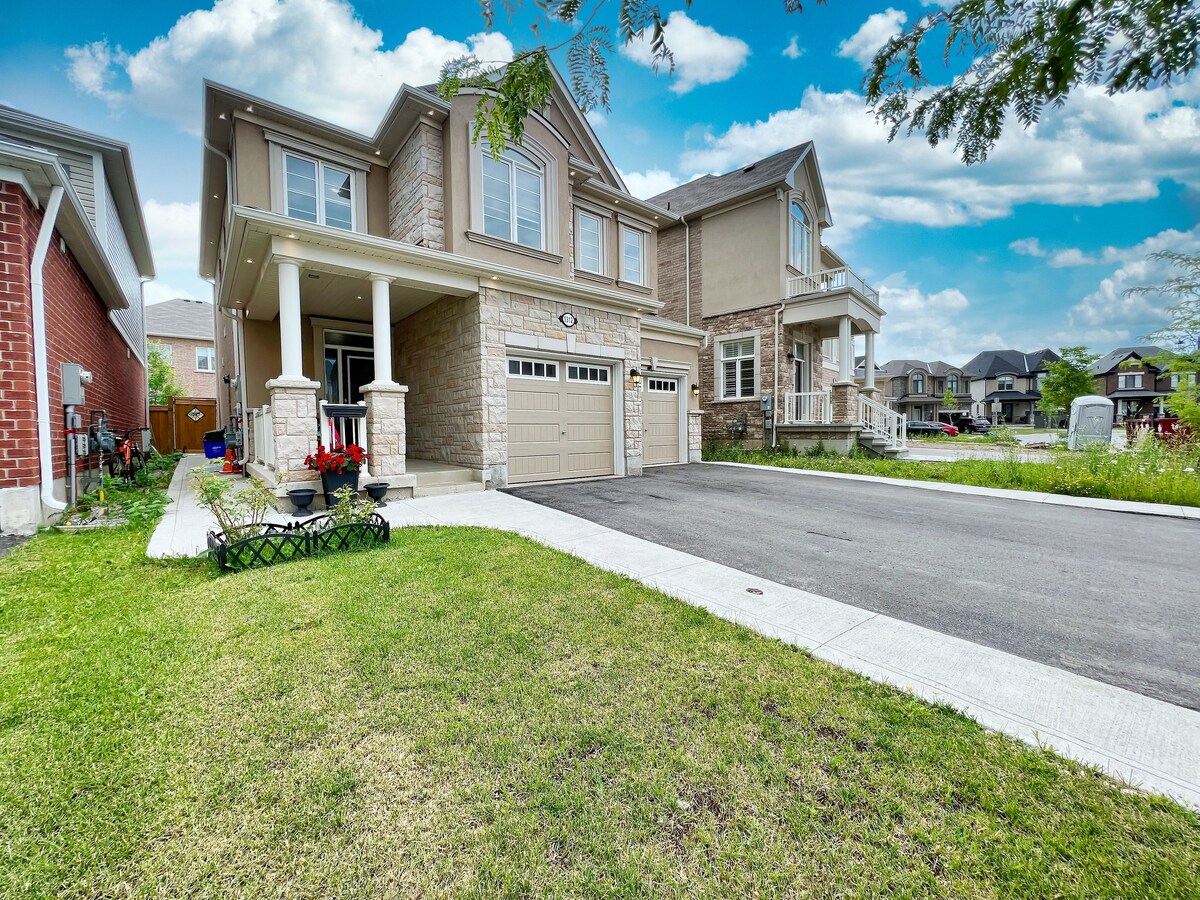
1015 57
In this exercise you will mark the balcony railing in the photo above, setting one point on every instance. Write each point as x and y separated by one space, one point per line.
830 280
812 408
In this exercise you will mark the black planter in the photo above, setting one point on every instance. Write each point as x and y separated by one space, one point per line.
273 544
334 481
377 490
326 537
302 499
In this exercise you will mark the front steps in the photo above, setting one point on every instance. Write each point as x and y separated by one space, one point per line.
880 446
433 479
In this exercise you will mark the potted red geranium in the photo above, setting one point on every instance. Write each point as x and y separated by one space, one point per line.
338 467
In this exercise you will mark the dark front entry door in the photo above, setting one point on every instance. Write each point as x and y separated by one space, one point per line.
360 370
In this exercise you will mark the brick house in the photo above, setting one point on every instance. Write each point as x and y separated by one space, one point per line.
73 256
743 258
183 330
1137 388
478 321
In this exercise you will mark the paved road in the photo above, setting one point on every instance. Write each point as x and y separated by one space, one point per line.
1111 596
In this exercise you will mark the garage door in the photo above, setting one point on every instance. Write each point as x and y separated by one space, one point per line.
560 420
660 420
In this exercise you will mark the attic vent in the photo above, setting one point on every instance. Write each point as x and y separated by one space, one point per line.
749 167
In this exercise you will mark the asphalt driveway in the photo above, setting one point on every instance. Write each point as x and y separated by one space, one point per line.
1110 596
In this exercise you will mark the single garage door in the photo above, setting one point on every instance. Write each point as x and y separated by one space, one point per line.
660 421
560 420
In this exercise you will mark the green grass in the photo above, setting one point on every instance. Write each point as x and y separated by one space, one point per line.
1152 475
468 713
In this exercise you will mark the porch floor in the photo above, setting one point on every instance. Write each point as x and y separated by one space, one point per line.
434 477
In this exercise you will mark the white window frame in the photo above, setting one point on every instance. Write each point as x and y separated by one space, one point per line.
829 353
601 251
321 166
1001 378
211 353
655 385
516 160
1123 381
166 351
604 373
719 367
533 363
549 164
800 238
643 243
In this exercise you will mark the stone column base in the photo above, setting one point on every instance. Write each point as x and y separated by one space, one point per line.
294 413
872 393
694 444
845 403
385 428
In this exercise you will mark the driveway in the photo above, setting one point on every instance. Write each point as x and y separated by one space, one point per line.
1110 596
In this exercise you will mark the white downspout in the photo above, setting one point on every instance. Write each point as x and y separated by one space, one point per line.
778 410
687 273
41 375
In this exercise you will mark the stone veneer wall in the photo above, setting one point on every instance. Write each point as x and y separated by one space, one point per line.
416 204
672 265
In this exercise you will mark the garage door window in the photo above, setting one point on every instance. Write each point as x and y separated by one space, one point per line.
532 368
662 385
591 374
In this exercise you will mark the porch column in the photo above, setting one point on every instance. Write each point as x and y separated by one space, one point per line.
869 362
381 327
290 344
845 351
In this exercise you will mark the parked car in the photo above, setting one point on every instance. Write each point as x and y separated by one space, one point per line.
933 429
976 425
949 429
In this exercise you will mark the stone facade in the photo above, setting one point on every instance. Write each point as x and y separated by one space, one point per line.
672 266
385 430
294 408
694 436
845 403
416 203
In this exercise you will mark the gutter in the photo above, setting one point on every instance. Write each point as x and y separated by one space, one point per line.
37 294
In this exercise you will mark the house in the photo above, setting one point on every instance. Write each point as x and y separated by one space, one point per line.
73 257
743 258
183 330
479 317
1136 387
918 389
1006 385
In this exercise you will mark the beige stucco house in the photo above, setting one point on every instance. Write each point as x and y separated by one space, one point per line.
743 257
471 318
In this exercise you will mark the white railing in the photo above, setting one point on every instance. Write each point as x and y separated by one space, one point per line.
877 419
264 437
344 423
812 408
828 280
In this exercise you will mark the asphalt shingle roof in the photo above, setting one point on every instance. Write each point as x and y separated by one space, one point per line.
710 190
991 363
1110 362
180 318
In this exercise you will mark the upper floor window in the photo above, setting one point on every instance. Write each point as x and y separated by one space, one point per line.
952 383
513 198
166 351
1006 383
1188 378
633 255
589 239
206 359
318 192
737 368
1041 379
918 383
800 255
1129 382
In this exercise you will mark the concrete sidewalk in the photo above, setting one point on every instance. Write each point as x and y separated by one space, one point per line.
1148 743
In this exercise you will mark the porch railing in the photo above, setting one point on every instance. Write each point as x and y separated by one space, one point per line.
828 280
811 408
264 436
345 423
878 420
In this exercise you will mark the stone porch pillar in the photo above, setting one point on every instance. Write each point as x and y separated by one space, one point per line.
385 429
845 403
294 410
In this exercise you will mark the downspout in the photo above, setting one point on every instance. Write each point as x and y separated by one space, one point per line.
41 375
687 272
775 418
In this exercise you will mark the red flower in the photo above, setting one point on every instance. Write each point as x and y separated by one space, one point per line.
337 460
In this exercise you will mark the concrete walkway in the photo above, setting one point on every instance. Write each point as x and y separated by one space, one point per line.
1148 743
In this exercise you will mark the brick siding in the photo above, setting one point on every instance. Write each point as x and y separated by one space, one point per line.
672 264
183 360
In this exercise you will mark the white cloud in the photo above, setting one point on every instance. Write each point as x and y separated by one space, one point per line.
1030 246
174 230
928 326
650 183
874 33
702 55
793 50
315 55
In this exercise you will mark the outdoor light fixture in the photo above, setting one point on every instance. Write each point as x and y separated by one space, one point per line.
636 376
791 357
695 390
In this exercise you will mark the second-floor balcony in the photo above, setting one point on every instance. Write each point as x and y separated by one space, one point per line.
824 299
840 279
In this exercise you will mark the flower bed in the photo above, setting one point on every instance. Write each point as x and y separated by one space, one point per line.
319 536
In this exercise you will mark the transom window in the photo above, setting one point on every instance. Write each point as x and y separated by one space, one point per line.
318 192
592 374
206 359
1129 382
532 368
918 383
633 255
737 368
800 255
513 198
1006 383
589 237
662 385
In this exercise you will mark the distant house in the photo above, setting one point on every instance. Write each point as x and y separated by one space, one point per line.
917 389
183 330
1135 387
73 256
1010 380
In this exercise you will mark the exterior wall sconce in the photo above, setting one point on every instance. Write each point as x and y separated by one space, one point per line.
791 357
635 376
695 390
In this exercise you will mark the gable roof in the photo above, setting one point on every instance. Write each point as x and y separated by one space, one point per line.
712 190
181 318
991 363
897 367
1109 362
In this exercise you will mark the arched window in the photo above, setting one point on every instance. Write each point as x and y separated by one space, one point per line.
513 197
1006 383
918 383
801 239
952 383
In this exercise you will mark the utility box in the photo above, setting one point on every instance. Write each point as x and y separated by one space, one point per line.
74 378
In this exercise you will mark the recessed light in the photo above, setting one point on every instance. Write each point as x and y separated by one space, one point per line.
216 196
431 112
359 297
616 201
494 278
249 260
221 116
572 173
292 236
379 153
249 109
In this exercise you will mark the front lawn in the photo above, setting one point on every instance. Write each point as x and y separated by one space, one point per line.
468 713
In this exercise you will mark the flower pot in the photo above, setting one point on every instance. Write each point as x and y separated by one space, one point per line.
377 490
334 481
302 499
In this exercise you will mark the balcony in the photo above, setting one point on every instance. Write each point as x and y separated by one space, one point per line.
823 299
842 279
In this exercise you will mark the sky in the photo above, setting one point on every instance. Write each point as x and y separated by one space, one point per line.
1033 248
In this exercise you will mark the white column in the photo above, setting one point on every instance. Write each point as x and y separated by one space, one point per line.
381 327
869 362
845 351
290 344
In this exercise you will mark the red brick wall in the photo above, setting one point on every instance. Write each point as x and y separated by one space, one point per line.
77 330
18 449
183 360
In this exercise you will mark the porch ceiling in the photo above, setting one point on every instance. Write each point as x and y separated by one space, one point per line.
325 291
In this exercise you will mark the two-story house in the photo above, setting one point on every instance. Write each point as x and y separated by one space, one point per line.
918 389
1006 385
457 309
73 257
182 330
742 257
1136 387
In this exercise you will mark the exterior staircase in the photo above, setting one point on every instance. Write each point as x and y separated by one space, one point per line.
435 479
884 431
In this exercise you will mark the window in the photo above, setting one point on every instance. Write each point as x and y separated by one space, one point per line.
1006 383
941 385
1177 379
206 359
800 255
918 383
318 192
166 351
1041 378
737 368
952 383
662 385
529 368
829 352
513 198
633 254
1129 382
590 374
589 238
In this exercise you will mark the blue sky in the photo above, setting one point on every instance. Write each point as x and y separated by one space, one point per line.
1033 248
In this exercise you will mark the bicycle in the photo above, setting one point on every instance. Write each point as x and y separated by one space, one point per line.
127 457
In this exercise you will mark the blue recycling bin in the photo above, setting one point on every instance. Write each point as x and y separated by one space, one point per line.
214 444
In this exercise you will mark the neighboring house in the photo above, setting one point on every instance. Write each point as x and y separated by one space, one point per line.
183 330
1006 385
917 389
494 317
743 258
1136 388
73 256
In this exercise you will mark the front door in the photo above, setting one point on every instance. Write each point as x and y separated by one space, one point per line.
803 369
349 364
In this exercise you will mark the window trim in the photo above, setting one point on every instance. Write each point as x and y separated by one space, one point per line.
211 353
557 376
644 243
602 223
672 380
1125 376
1011 387
795 201
550 197
718 367
279 146
917 376
606 371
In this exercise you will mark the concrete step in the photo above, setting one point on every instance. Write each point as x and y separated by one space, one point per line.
441 488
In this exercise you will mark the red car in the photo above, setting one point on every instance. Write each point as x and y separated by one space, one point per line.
949 429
